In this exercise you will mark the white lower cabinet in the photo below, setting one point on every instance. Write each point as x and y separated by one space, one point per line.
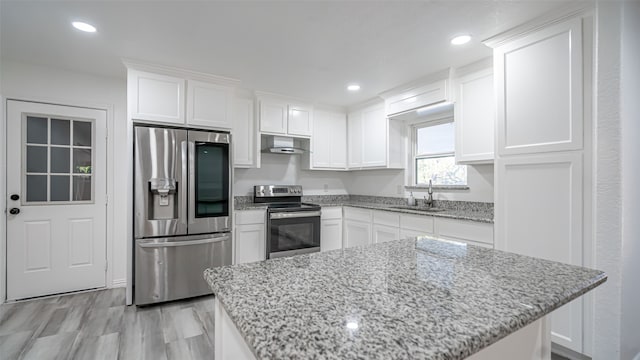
356 233
250 240
331 228
363 227
384 233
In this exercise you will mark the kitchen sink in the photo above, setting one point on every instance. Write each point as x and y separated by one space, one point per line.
417 208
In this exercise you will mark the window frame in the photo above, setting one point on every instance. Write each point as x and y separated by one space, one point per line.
415 156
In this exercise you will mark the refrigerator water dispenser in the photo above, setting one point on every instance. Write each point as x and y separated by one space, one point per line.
163 204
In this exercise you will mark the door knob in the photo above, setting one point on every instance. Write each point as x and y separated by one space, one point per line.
14 211
14 197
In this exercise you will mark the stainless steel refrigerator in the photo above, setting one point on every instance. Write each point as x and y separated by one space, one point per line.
182 210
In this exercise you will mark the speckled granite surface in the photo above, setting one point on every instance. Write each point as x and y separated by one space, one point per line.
407 299
463 210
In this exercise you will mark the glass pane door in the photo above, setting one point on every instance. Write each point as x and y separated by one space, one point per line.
58 160
212 179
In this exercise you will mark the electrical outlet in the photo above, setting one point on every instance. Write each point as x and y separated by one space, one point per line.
326 188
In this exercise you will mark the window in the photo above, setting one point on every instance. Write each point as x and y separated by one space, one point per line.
434 154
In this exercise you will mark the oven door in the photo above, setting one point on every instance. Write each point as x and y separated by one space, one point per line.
293 233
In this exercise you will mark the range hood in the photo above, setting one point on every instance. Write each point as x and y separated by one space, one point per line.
282 145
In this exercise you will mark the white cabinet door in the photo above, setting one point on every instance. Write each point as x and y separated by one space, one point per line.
356 233
331 235
354 136
250 243
475 118
243 134
539 214
329 141
374 137
384 233
155 97
209 104
273 116
300 120
539 91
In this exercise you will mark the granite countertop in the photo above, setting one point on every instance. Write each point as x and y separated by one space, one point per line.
468 213
407 299
461 214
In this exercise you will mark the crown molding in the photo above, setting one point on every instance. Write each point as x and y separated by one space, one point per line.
572 10
178 72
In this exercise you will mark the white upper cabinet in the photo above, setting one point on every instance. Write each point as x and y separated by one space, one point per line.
300 120
179 97
373 140
355 137
282 117
474 116
329 141
539 91
273 116
156 97
244 144
209 104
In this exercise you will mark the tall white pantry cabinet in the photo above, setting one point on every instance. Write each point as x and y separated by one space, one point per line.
543 153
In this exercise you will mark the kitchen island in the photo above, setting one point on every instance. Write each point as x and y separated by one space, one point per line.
418 298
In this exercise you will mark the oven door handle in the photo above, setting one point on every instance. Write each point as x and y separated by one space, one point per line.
293 215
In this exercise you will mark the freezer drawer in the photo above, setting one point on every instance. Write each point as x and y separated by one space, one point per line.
172 268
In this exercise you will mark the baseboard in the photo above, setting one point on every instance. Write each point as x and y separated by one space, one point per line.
567 353
118 283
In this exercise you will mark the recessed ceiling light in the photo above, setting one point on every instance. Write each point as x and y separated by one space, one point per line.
462 39
353 87
82 26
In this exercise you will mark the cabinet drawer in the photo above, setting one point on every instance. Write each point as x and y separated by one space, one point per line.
250 217
357 214
386 218
334 212
423 224
465 230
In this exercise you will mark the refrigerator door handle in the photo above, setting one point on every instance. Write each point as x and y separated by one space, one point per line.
184 187
192 181
153 244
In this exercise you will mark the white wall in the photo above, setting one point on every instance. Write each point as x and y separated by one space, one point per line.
30 82
388 182
630 113
286 170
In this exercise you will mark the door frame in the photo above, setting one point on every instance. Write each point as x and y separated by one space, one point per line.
110 180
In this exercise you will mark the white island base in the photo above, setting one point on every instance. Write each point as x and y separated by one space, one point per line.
531 342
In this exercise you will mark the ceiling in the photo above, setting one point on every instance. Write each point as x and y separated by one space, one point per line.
310 50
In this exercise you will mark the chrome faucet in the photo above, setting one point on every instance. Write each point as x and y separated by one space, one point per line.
429 202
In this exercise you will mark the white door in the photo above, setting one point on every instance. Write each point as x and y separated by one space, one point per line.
56 199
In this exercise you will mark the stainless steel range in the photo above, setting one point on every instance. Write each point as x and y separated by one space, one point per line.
293 227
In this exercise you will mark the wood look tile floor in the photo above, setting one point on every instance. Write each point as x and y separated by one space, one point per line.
98 325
